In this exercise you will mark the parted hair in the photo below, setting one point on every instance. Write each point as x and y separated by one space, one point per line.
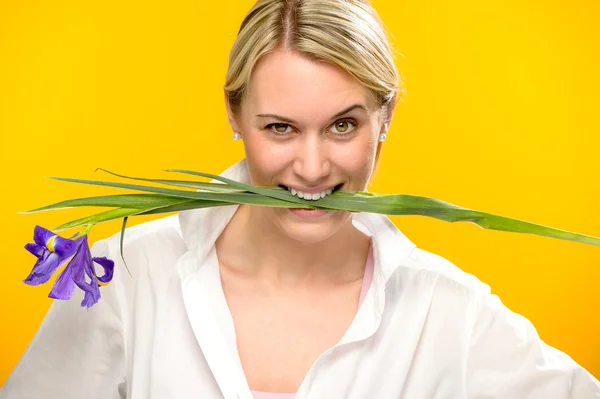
346 33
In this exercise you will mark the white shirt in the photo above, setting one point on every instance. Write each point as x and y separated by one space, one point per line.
426 329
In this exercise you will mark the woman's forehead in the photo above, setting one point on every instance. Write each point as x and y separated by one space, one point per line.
285 81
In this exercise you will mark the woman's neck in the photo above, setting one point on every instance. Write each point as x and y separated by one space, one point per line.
255 247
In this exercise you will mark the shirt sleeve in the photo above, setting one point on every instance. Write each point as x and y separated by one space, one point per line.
76 352
507 359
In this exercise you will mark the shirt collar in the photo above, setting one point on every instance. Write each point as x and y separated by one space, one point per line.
201 227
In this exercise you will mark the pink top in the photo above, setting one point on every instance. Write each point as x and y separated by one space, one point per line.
367 278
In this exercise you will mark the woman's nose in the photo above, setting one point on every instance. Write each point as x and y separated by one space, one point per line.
312 162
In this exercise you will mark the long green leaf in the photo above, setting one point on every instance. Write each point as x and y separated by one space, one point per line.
273 192
390 204
118 213
404 204
98 218
121 243
109 215
193 204
139 201
217 187
233 198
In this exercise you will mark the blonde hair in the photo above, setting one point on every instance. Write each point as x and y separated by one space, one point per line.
347 33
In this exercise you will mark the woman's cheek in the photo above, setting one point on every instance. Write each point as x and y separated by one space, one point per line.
265 158
359 157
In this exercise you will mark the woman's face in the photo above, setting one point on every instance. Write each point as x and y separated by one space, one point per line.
311 126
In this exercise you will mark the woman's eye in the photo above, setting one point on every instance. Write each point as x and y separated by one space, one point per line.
341 127
278 128
344 126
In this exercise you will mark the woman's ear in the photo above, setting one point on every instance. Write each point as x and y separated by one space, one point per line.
230 113
390 111
388 114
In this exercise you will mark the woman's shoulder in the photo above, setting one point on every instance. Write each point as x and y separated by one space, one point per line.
168 225
155 243
443 273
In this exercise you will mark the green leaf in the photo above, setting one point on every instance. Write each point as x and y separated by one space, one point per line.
109 215
404 204
273 192
233 198
390 204
218 187
139 201
193 204
121 243
98 218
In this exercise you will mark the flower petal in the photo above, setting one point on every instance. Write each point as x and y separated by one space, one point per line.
79 266
109 267
64 286
83 269
65 283
91 297
41 235
35 249
43 269
66 247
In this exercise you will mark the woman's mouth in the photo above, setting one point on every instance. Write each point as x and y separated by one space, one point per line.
311 196
308 212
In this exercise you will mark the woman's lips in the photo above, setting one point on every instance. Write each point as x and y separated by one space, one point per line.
308 213
312 191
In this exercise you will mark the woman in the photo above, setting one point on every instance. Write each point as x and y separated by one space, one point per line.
258 302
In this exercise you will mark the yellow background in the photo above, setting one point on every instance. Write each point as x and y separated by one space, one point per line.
501 115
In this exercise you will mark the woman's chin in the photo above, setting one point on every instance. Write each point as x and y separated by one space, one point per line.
308 226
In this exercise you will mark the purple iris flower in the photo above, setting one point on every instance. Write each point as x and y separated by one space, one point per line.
53 251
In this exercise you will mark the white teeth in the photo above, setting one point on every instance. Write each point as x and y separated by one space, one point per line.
310 196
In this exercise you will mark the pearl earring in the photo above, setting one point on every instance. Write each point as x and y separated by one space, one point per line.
236 136
383 135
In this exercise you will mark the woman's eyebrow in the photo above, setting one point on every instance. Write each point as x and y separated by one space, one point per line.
288 120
